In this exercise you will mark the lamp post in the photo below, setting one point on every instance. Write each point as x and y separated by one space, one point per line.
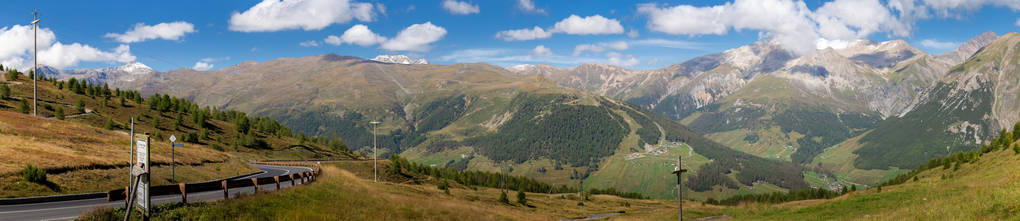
679 188
375 144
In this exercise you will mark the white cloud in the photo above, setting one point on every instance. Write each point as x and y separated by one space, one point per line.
309 43
460 8
618 59
358 35
529 6
939 45
801 30
541 50
633 33
276 15
416 37
202 66
618 45
581 48
591 25
1017 23
210 60
141 32
665 43
17 44
523 34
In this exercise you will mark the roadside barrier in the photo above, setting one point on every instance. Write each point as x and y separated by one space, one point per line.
184 188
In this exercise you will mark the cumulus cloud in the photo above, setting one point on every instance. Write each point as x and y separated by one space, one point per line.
591 25
575 25
416 37
358 35
310 43
529 6
581 48
460 8
541 50
523 34
801 30
614 58
140 32
939 45
18 41
202 66
618 45
633 33
276 15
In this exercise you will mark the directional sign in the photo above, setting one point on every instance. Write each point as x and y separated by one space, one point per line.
173 138
143 167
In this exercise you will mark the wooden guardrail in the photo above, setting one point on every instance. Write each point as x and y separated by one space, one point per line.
184 188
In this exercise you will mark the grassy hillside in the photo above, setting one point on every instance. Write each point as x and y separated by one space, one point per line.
88 150
346 190
977 185
466 116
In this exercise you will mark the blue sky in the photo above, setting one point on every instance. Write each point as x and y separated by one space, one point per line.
169 35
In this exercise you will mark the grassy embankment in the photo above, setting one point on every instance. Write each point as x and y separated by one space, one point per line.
88 150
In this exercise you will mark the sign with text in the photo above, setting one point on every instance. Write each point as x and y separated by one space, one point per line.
142 167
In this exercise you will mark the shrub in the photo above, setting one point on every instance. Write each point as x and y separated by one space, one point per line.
33 174
217 147
190 137
81 106
23 107
5 92
521 197
109 124
503 198
59 113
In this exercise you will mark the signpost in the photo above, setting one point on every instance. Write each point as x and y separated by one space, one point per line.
141 171
173 153
679 171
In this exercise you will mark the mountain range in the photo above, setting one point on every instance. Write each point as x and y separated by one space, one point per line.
861 113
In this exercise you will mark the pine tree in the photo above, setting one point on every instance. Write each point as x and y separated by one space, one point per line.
521 197
853 188
81 106
23 107
59 113
503 198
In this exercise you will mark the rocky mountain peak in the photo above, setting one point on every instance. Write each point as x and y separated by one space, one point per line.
969 48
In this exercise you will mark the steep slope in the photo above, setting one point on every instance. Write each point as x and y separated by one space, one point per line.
763 100
976 100
466 116
80 138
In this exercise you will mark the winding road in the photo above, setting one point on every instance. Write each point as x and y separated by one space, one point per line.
68 210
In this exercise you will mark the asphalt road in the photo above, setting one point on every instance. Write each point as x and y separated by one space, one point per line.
68 210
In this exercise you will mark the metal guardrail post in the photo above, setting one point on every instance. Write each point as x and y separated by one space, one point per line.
225 189
184 193
255 181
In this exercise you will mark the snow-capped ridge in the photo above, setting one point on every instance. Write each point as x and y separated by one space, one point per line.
399 59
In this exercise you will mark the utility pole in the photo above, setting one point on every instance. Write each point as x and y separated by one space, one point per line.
35 64
375 150
131 164
679 188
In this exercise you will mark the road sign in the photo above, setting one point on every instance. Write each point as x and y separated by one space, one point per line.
143 168
173 138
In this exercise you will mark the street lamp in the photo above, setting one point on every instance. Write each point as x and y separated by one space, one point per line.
679 188
375 144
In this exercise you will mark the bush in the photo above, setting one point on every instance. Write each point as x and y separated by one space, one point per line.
190 137
5 92
23 107
217 147
109 124
503 198
81 106
59 113
521 197
33 174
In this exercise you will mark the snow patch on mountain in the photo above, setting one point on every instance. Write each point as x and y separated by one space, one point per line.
399 59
